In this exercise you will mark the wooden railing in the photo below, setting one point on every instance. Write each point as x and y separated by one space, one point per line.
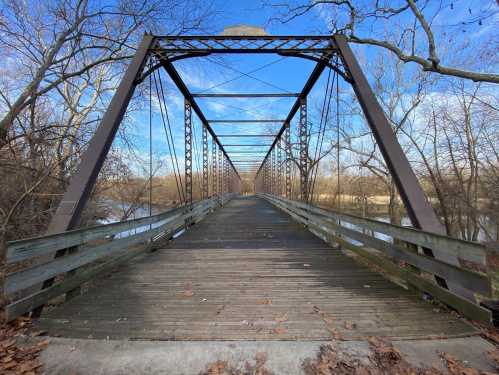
94 250
393 248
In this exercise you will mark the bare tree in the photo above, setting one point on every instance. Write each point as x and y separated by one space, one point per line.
63 60
52 42
413 36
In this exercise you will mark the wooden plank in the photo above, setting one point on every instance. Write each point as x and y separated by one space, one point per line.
466 250
32 276
473 281
40 298
46 245
465 307
252 269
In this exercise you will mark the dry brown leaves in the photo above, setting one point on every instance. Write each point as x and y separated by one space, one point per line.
264 301
329 320
223 367
279 331
494 356
188 292
281 318
385 360
15 359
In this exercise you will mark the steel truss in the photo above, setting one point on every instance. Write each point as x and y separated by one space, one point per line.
164 50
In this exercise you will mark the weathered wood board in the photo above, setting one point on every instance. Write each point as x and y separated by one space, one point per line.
248 272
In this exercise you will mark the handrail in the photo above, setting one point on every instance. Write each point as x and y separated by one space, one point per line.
330 225
114 243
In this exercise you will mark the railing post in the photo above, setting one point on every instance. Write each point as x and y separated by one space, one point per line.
303 134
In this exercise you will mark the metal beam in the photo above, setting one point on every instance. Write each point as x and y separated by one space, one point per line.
243 95
214 184
417 205
244 121
303 138
206 191
82 183
251 145
170 69
245 135
419 209
188 151
287 140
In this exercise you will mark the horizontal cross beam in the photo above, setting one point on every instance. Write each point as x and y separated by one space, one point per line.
245 135
244 121
175 77
248 95
253 145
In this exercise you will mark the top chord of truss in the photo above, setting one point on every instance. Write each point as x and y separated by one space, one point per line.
312 45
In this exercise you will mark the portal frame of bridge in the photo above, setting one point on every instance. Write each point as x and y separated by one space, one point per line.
164 50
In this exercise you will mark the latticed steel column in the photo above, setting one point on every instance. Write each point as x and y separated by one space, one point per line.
188 151
287 141
279 167
214 167
274 171
302 132
205 163
267 176
226 179
220 169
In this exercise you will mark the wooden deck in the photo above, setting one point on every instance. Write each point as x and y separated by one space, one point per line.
247 272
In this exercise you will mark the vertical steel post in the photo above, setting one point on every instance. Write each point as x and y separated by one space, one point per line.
303 135
274 171
188 151
226 175
288 159
220 182
214 185
279 167
205 162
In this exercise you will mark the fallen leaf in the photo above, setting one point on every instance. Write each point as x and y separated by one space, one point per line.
28 366
349 324
494 356
282 318
280 330
264 301
335 334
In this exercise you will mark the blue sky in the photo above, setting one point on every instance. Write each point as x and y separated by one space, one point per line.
278 74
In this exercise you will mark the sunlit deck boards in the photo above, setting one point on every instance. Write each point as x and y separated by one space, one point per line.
254 275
